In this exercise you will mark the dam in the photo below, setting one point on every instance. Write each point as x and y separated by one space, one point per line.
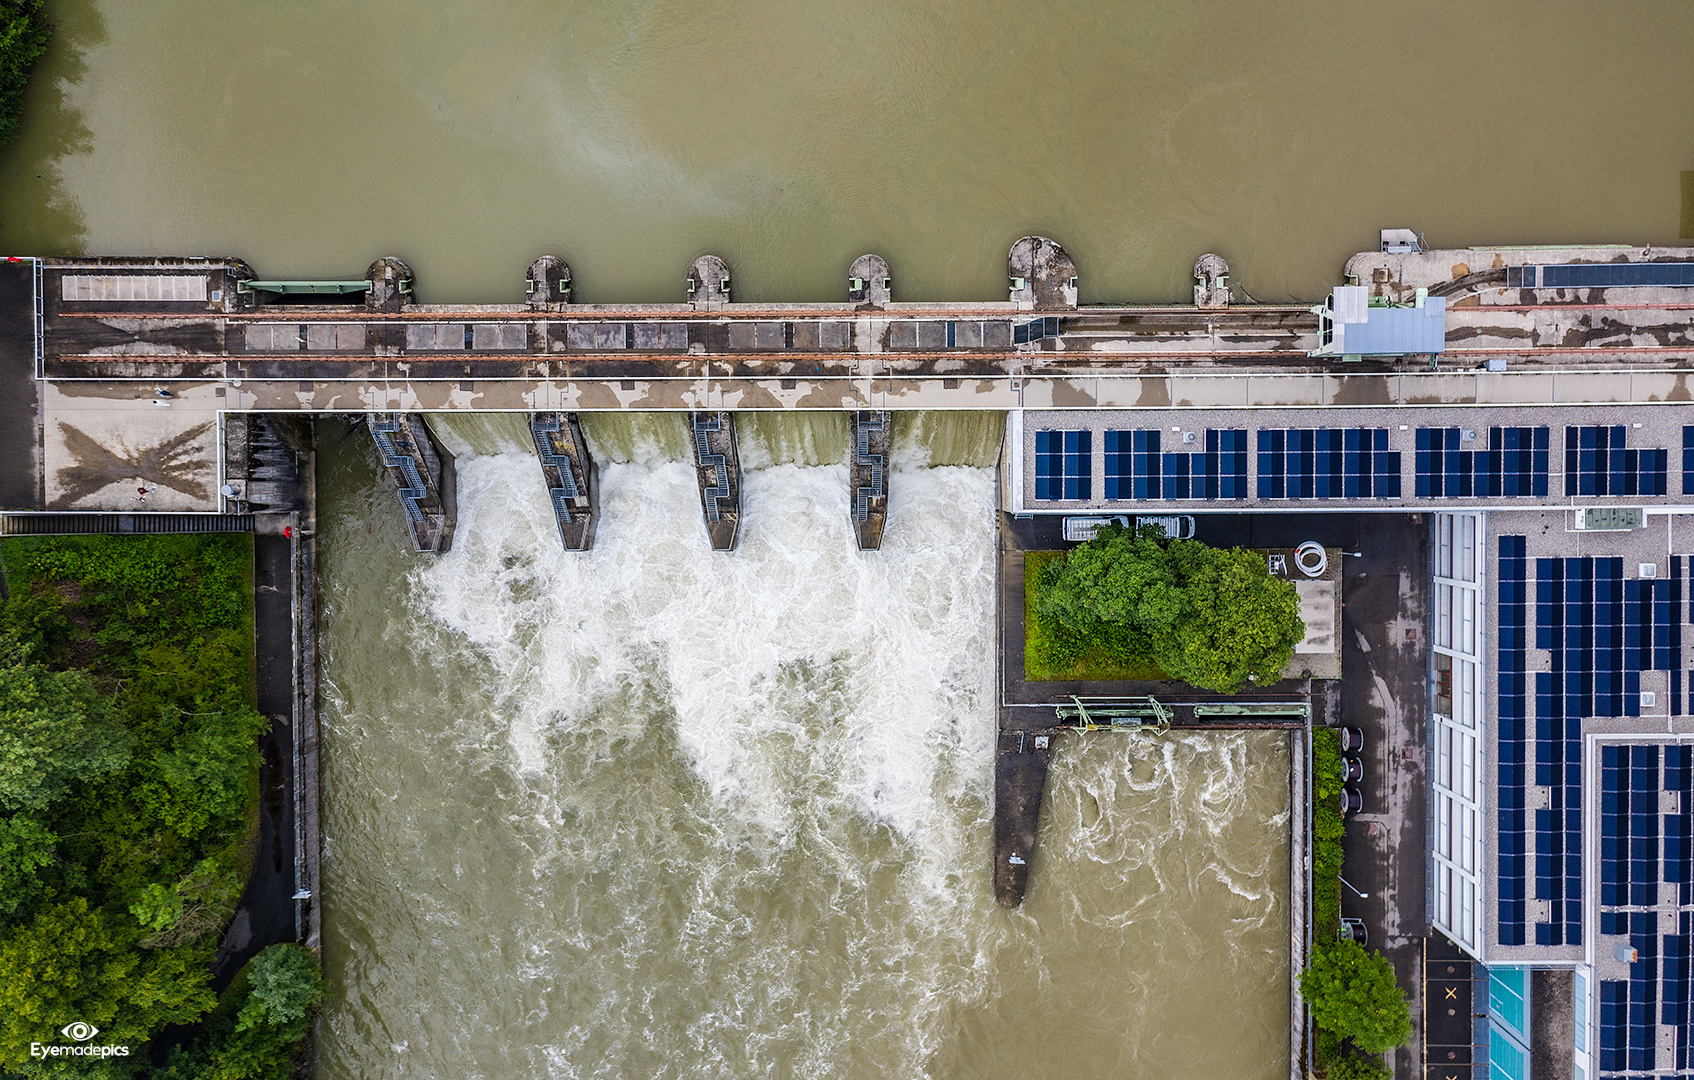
158 390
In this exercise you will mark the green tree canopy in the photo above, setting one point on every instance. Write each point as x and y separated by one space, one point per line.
1211 617
23 38
1352 993
55 729
286 984
73 962
26 846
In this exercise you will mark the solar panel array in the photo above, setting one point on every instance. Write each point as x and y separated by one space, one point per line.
1512 618
1613 275
1136 468
1688 461
1327 463
1644 844
1600 632
1064 465
1598 463
1513 464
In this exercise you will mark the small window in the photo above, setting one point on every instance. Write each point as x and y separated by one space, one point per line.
1443 685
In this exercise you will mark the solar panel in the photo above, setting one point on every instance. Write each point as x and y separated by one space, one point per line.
1513 904
1327 463
1063 465
1614 275
1137 468
1598 463
1513 464
1688 460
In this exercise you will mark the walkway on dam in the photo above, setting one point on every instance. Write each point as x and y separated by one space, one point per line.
141 358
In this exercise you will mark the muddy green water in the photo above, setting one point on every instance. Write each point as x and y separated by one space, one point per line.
312 136
654 812
658 812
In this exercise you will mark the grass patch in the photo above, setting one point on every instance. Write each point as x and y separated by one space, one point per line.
1047 653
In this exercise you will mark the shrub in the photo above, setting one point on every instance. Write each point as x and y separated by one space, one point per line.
1358 1067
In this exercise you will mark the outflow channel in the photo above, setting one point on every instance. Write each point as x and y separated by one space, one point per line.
647 810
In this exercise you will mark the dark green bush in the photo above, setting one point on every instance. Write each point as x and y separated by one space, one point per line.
23 38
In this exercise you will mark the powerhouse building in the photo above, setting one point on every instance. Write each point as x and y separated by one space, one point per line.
1560 740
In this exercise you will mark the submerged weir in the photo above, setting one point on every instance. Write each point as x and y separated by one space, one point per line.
648 810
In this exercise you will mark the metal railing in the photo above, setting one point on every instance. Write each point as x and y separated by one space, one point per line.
396 458
107 522
862 456
40 326
704 424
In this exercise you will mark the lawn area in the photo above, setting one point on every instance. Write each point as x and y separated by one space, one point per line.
1048 657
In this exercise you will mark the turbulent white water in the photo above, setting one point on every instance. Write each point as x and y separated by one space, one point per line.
655 811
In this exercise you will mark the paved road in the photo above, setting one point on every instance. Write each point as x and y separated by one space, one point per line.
266 913
20 480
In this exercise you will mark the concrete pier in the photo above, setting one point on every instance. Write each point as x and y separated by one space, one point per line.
548 283
1020 776
569 473
1211 282
872 435
708 283
423 473
869 282
1043 276
718 466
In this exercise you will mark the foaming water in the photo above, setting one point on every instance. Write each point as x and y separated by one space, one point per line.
654 811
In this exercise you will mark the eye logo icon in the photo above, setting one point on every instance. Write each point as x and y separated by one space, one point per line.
79 1031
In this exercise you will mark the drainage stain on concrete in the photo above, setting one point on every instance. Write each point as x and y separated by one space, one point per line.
98 465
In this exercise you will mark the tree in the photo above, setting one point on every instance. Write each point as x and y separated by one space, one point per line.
55 729
1352 993
1211 617
73 962
286 984
23 38
26 846
256 1028
1239 624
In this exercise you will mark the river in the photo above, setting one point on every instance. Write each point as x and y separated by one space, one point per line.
657 812
652 811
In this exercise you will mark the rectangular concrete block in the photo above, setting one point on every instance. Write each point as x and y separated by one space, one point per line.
805 335
835 335
768 335
967 334
579 335
741 335
649 335
335 337
996 335
903 334
608 335
273 337
932 334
